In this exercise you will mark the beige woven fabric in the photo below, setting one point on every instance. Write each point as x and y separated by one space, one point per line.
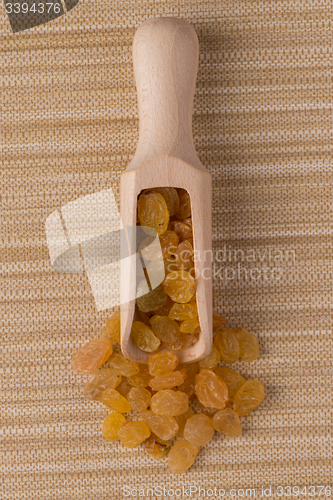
262 125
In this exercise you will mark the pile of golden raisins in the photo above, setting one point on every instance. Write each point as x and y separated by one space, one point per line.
164 399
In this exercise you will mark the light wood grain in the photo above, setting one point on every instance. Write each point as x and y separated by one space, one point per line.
165 57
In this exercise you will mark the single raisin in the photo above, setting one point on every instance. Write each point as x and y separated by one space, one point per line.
227 422
227 344
144 337
153 212
139 398
232 379
218 320
114 400
112 425
112 328
248 344
164 328
199 430
162 363
164 427
92 355
179 285
248 397
181 456
126 367
169 403
156 447
210 361
210 389
169 243
151 300
182 419
184 210
183 312
184 256
168 380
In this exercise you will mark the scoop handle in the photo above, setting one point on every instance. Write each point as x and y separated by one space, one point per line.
165 58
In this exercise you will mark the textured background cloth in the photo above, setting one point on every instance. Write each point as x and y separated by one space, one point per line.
262 126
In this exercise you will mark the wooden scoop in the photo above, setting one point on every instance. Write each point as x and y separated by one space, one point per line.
165 57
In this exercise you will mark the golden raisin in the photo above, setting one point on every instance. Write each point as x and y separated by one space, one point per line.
179 285
151 300
183 342
168 380
199 430
169 243
184 210
112 327
124 387
227 344
227 422
183 229
232 379
114 400
162 363
248 344
126 367
210 361
181 456
188 387
153 212
92 355
248 397
144 337
184 256
169 403
112 425
101 380
164 427
210 389
182 312
189 325
138 398
132 434
156 447
164 328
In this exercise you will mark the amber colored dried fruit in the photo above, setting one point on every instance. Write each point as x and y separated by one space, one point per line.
218 320
181 456
249 396
227 344
179 285
114 400
126 367
112 327
164 427
101 380
199 430
183 342
164 310
151 300
182 419
232 379
189 325
169 243
227 422
169 403
210 389
183 229
156 447
142 378
170 265
171 197
184 256
168 380
139 398
188 387
210 361
164 328
132 434
112 425
144 337
124 387
153 212
184 210
248 344
162 363
92 355
182 312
